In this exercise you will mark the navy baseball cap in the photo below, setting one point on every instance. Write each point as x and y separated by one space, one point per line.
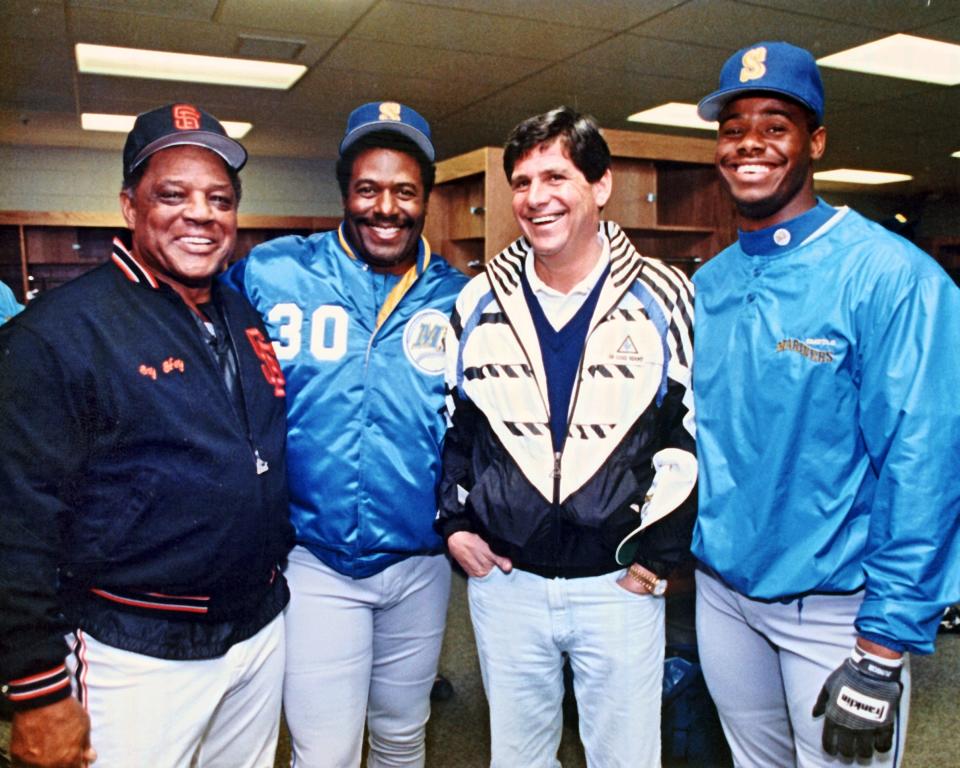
779 68
388 116
175 125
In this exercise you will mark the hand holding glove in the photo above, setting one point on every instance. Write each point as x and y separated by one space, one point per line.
860 700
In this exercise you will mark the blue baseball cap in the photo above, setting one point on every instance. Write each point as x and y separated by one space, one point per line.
388 116
778 68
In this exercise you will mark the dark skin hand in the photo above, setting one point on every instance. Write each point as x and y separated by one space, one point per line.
54 736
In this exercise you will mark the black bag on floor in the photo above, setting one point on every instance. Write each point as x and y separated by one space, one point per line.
689 727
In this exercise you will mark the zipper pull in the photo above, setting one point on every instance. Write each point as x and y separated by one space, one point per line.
556 477
262 466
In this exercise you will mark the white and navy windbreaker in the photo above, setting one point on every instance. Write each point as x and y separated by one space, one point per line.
630 430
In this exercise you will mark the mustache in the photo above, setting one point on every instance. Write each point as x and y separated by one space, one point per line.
399 220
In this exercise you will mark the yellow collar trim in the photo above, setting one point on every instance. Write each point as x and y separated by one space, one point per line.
401 288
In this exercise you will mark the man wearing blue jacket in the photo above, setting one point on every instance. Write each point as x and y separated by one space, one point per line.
826 376
357 317
9 306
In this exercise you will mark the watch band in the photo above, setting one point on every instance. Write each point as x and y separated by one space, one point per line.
654 584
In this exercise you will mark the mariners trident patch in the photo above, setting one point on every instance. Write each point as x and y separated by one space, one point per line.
423 341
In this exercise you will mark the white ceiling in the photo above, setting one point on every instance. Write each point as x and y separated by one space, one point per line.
474 68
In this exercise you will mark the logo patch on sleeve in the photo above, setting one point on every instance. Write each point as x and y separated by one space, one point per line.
269 365
423 341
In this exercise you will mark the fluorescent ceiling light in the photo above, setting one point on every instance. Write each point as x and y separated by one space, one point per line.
92 121
185 67
854 176
674 113
956 154
904 56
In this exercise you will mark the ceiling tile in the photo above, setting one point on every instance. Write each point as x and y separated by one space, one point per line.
302 17
887 15
156 33
196 10
932 111
430 63
474 68
651 56
327 85
607 94
31 20
948 30
451 29
113 94
733 25
861 88
34 77
613 15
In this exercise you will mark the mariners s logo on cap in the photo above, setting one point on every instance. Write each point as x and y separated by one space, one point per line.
392 117
778 68
753 64
389 110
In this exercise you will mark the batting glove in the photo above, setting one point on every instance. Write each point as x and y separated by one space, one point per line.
860 700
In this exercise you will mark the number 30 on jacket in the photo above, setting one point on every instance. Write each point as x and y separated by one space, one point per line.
328 331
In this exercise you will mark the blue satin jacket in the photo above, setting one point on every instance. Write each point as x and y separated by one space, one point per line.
363 358
826 379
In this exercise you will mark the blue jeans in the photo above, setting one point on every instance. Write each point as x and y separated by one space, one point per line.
615 641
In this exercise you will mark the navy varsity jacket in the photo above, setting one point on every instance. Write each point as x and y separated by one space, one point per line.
138 504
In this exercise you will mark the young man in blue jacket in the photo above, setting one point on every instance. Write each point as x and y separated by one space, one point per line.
357 316
142 475
826 377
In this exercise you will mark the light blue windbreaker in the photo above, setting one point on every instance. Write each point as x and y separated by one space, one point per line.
362 354
826 379
9 306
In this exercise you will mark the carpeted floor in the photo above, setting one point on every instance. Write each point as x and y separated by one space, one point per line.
458 733
457 736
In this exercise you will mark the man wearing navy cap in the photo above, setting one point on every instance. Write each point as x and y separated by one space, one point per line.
825 368
145 510
357 317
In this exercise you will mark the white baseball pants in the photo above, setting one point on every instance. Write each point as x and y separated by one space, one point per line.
362 650
157 713
765 663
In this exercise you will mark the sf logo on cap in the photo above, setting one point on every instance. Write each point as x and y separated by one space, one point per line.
753 64
186 118
389 110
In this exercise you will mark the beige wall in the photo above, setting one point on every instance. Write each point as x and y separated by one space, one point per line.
49 179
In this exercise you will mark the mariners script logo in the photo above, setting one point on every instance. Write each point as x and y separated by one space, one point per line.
809 349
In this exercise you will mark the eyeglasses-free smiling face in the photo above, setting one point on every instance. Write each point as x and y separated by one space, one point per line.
557 209
385 208
765 154
183 214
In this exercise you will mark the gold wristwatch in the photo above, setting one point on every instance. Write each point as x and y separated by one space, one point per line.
654 584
